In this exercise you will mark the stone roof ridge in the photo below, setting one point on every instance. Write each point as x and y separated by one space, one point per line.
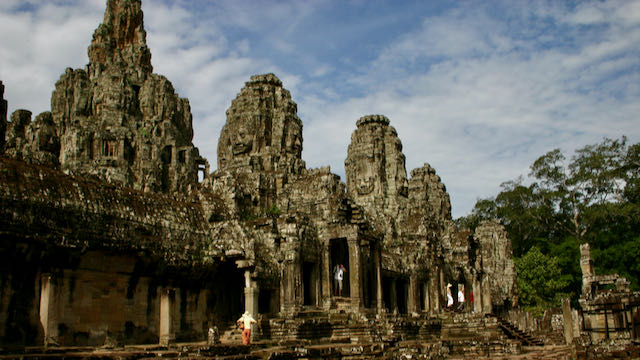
369 119
425 168
269 78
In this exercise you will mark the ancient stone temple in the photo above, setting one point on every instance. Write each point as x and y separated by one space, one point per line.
608 320
109 236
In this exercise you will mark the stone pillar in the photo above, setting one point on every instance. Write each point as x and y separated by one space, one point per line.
378 261
586 265
440 290
413 301
287 286
487 308
251 292
568 321
427 298
47 310
477 295
326 278
167 300
355 273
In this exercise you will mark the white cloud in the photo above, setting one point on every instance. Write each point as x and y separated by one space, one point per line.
37 46
485 107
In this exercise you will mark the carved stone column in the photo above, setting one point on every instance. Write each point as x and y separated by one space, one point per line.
251 293
413 301
48 315
378 261
438 290
487 308
476 289
355 273
426 297
167 302
288 286
326 278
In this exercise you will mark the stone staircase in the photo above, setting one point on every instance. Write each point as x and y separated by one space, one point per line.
514 333
231 334
318 333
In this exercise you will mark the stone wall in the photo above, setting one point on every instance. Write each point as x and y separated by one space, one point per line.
107 251
44 204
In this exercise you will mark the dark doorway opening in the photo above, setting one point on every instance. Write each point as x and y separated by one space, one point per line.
369 281
402 293
225 302
268 301
340 255
386 293
309 281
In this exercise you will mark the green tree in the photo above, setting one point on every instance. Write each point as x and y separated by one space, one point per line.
576 191
540 282
594 197
484 209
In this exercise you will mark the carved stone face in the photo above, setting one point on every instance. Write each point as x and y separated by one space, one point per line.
294 145
242 142
146 102
365 185
367 168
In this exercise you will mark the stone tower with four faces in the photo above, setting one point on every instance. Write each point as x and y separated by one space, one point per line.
375 166
263 131
117 119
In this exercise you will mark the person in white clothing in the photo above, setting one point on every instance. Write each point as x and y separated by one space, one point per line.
449 297
338 276
245 321
460 297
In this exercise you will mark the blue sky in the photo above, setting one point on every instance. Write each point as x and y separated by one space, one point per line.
478 89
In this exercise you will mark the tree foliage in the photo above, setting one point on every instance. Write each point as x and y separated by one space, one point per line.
594 197
540 281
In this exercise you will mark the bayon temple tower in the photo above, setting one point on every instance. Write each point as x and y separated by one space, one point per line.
113 226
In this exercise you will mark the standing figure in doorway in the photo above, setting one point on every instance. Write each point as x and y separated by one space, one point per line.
338 276
245 321
460 297
449 297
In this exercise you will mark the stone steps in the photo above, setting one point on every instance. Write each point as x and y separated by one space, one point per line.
232 334
327 334
513 332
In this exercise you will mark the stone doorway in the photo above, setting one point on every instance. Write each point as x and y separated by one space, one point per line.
395 293
225 301
310 283
339 251
402 293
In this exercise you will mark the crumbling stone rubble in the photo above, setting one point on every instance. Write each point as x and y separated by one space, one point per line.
608 323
